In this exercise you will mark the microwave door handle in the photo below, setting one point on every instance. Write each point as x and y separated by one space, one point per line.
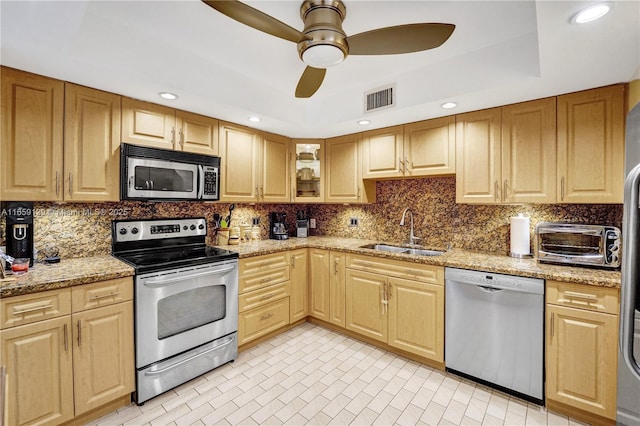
630 229
200 182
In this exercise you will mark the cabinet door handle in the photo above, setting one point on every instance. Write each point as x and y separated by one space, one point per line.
358 192
57 183
562 188
102 296
34 309
181 138
66 338
262 192
79 333
335 266
553 316
293 261
401 165
497 191
257 194
173 137
505 192
406 164
70 183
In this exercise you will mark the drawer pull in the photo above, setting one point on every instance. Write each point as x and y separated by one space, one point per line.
34 309
584 296
66 338
266 280
103 296
79 333
267 296
265 316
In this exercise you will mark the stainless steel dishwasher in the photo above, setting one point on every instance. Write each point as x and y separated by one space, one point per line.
494 330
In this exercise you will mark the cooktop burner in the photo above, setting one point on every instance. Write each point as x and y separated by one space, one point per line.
161 244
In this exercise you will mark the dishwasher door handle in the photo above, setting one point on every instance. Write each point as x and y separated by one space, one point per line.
488 289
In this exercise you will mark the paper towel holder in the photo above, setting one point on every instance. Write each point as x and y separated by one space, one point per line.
524 228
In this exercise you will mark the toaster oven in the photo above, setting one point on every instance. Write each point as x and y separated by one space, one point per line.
578 244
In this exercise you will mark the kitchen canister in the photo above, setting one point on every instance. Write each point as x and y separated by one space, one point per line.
520 237
223 236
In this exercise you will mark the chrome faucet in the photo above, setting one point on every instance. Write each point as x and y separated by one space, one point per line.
412 237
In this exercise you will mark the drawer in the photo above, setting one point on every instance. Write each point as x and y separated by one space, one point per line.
101 293
584 296
256 298
260 321
258 264
30 308
397 268
262 271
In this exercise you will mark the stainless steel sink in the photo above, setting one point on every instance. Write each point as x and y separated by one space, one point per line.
403 250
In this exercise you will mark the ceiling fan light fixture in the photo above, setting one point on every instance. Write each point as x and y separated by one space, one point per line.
322 55
592 12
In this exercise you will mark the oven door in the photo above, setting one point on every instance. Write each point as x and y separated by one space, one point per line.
180 309
161 179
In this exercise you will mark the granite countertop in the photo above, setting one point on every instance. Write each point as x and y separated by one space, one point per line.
455 258
67 273
71 272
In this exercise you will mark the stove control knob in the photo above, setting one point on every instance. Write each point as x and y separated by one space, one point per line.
192 227
201 226
185 227
134 230
123 231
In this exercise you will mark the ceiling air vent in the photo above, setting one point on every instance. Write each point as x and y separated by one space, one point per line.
380 98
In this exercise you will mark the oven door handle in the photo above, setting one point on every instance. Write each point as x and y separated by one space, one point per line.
192 357
572 256
164 282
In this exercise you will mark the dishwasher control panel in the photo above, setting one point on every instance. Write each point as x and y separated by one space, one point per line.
497 281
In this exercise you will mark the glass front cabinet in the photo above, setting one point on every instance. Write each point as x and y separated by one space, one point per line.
308 170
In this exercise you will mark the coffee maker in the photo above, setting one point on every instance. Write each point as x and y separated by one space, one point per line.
19 230
302 224
278 226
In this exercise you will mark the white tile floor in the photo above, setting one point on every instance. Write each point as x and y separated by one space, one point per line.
310 375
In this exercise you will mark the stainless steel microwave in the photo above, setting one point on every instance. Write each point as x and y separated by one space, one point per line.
154 174
578 244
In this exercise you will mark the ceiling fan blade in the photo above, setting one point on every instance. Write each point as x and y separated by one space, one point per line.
254 18
310 82
400 39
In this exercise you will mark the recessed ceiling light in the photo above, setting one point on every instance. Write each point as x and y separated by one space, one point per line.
449 105
364 122
168 95
254 119
591 13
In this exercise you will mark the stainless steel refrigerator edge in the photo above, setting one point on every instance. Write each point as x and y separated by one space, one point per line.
629 345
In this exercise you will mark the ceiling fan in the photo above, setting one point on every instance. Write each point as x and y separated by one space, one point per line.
323 42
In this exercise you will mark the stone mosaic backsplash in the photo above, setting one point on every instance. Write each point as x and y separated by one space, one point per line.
82 230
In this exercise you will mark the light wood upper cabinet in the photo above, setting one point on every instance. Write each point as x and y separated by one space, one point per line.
240 163
308 170
91 145
424 148
275 183
478 156
591 146
299 299
430 147
255 166
344 182
383 153
529 152
508 154
32 137
158 126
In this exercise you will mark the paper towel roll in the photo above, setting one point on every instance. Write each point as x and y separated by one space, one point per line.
520 236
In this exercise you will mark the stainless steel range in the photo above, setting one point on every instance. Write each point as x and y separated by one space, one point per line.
186 301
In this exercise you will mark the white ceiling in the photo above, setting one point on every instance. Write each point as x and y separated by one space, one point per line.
500 52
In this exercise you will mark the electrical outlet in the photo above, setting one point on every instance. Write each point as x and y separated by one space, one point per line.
312 223
353 221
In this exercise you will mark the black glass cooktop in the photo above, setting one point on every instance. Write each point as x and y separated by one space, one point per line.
174 257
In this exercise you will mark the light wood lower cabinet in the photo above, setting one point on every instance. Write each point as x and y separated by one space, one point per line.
264 295
319 290
66 366
299 299
398 303
581 349
337 262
